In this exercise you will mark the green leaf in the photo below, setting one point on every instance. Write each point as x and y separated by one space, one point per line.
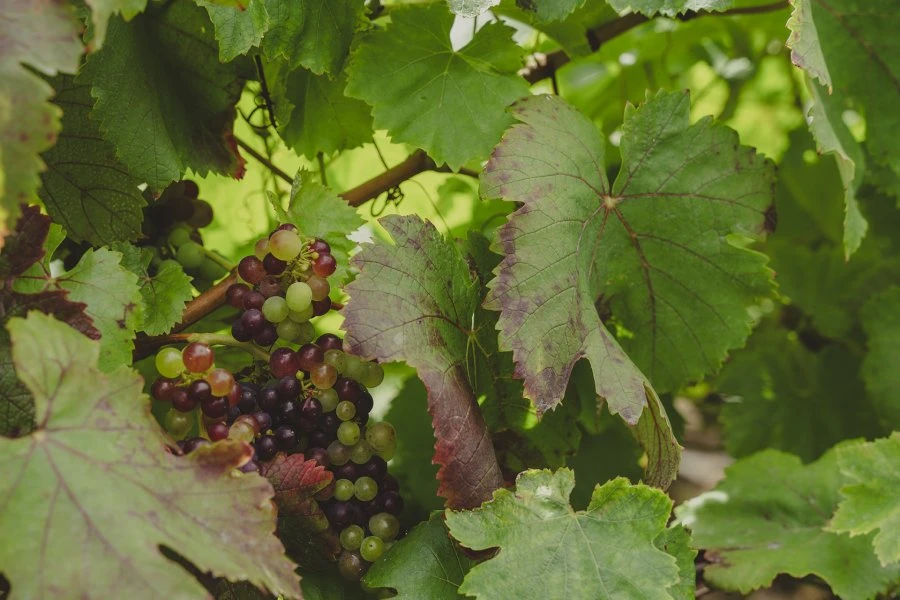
44 37
16 403
425 93
669 8
163 98
164 293
424 564
871 499
315 34
313 113
547 549
549 10
786 396
659 248
329 585
676 541
768 516
415 300
96 433
103 10
238 28
85 187
881 367
471 8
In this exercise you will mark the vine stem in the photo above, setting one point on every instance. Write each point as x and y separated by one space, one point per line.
214 339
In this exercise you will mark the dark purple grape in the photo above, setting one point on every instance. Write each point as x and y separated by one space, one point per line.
251 270
289 412
199 391
253 320
253 300
239 332
320 245
283 362
285 438
347 389
268 399
247 403
372 507
308 356
286 227
189 188
250 467
182 401
351 566
324 265
311 409
215 408
320 455
319 438
201 214
393 502
358 515
235 295
340 514
267 336
376 468
329 423
347 470
329 341
364 404
217 431
163 389
390 484
266 447
320 307
269 286
274 266
289 388
193 443
264 420
233 413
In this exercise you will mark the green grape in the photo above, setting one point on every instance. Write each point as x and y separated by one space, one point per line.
361 452
329 400
343 491
338 453
169 363
371 548
352 536
285 245
301 316
288 330
298 296
388 453
365 489
381 436
384 525
261 248
211 270
373 376
336 359
178 424
355 368
348 433
190 255
275 309
179 236
345 410
307 333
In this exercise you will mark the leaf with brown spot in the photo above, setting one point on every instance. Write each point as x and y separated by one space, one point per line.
91 494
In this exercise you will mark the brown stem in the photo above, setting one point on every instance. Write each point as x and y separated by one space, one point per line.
415 163
265 161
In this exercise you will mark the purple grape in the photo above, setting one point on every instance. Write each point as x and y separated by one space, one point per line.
390 484
247 403
268 399
329 423
274 266
253 320
285 438
372 507
264 420
320 439
311 409
214 408
347 389
329 341
267 336
270 286
266 447
341 514
239 332
347 470
193 443
393 502
320 455
289 388
289 412
376 468
253 300
365 404
250 467
200 391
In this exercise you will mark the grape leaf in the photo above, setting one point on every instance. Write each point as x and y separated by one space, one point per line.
329 585
415 301
238 28
424 564
295 481
871 499
448 102
768 516
788 397
84 187
103 10
45 37
313 113
549 10
881 367
163 98
669 8
658 248
315 34
96 433
676 541
164 293
471 8
16 403
548 550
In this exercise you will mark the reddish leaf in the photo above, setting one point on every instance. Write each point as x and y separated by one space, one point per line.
296 481
51 302
25 246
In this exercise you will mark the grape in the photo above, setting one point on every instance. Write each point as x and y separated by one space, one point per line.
393 503
329 423
266 448
365 488
301 316
285 244
381 436
347 389
253 320
323 376
178 423
288 330
389 484
261 248
249 467
182 401
355 368
374 375
179 237
375 467
336 359
328 398
320 455
364 404
338 453
239 332
193 443
269 286
266 336
215 408
247 402
324 265
285 438
273 265
254 300
348 433
211 270
384 525
346 471
329 341
234 394
311 410
371 548
388 453
268 399
288 388
289 412
352 535
361 452
321 307
198 357
319 287
217 431
201 214
343 489
251 270
190 255
345 410
169 363
264 420
340 514
162 389
283 362
241 431
320 246
220 382
298 296
320 439
189 188
351 566
372 507
309 355
199 391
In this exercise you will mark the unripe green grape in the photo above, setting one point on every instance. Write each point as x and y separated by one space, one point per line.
178 424
381 435
301 316
285 245
355 368
275 309
338 453
298 296
373 375
345 410
261 248
361 452
348 433
329 400
307 333
371 548
343 491
241 431
169 363
211 270
352 536
179 236
336 359
190 255
388 453
365 489
288 330
384 525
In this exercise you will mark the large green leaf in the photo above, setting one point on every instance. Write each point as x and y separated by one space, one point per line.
424 564
881 367
103 10
238 28
85 188
96 433
43 36
449 102
769 516
546 11
163 98
659 248
471 8
669 8
871 499
548 550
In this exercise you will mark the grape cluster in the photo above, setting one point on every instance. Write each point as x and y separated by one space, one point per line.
286 285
